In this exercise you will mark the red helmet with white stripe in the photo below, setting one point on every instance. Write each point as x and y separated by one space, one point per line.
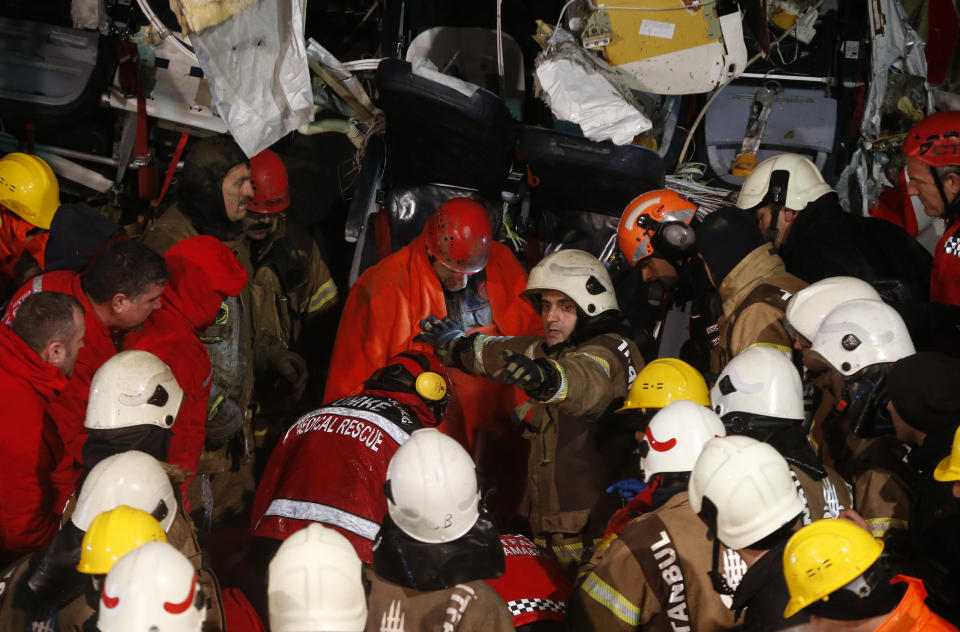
675 436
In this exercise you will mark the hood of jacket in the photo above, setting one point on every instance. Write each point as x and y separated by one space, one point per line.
200 192
203 271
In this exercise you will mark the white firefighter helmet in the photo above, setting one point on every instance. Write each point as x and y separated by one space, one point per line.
133 388
153 588
790 180
579 275
674 437
861 333
743 489
315 584
130 478
808 307
760 381
433 493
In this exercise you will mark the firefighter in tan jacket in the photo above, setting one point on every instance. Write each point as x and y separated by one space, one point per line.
576 375
291 283
656 575
861 340
744 492
759 394
752 281
436 545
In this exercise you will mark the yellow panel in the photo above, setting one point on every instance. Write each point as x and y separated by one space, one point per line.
200 14
663 27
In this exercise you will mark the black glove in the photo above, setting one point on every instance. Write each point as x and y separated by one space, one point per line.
537 378
443 336
52 579
291 367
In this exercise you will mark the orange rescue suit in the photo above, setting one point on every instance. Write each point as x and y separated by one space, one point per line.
382 315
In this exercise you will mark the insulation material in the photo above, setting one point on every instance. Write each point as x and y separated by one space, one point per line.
896 48
577 86
196 15
257 67
87 14
898 67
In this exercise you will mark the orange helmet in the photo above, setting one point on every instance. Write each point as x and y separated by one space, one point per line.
657 220
271 192
459 235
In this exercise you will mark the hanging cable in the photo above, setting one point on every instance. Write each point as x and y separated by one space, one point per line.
703 110
162 31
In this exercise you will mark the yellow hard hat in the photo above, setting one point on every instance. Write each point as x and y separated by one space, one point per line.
949 467
663 381
825 556
115 533
29 188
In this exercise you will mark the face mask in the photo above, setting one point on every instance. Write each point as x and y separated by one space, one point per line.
148 438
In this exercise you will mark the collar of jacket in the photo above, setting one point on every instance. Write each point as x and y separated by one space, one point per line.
746 275
763 588
96 328
19 360
822 214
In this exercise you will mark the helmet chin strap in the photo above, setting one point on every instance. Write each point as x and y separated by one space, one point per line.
772 231
949 207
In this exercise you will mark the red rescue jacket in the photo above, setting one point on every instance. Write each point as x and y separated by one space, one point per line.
203 271
945 277
69 409
534 585
331 465
29 446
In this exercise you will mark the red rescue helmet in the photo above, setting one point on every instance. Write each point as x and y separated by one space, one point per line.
655 220
935 140
459 235
271 192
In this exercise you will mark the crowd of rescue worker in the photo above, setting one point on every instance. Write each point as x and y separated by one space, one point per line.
493 451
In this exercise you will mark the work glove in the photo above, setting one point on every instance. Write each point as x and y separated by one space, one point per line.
537 378
224 419
52 579
443 336
291 367
627 488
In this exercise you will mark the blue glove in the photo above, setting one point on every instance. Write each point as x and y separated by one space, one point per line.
627 488
442 335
